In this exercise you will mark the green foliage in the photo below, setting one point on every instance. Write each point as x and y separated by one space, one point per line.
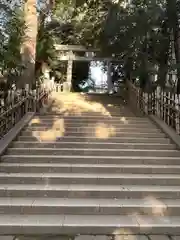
78 24
12 36
45 51
15 29
138 33
132 31
88 22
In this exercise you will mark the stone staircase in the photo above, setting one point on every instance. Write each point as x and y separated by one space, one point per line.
89 166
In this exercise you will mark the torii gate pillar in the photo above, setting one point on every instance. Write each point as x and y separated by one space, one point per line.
69 74
68 83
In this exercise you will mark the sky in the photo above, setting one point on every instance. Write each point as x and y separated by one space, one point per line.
97 74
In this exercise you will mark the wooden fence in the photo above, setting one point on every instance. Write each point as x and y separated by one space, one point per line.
14 104
165 105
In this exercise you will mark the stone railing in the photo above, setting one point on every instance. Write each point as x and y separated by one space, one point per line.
14 104
58 87
165 105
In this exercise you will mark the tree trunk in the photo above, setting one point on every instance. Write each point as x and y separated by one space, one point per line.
128 68
177 54
164 54
162 72
29 44
174 25
144 72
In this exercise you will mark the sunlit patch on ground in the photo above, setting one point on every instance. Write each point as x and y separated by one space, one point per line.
95 237
59 125
124 120
104 131
35 120
121 232
129 237
158 207
56 131
76 104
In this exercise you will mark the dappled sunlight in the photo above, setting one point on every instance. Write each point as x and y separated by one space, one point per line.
63 107
124 120
121 233
34 121
57 130
59 125
45 136
142 221
76 104
104 131
112 106
151 207
158 208
128 235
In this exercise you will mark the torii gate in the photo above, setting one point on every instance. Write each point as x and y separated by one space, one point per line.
67 53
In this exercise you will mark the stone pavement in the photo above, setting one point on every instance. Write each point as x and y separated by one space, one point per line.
88 237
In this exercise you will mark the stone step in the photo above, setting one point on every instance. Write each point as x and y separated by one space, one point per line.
91 145
94 152
88 168
128 160
33 206
87 224
104 113
96 140
93 173
88 191
89 112
101 237
104 134
81 114
122 121
78 118
67 123
85 129
90 178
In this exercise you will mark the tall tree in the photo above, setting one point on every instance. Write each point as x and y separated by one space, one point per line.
173 9
29 45
12 30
